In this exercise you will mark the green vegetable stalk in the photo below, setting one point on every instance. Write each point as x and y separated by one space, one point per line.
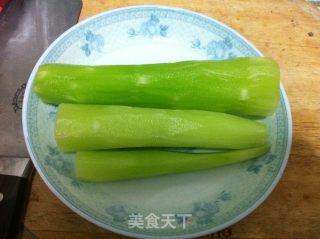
91 127
247 86
99 166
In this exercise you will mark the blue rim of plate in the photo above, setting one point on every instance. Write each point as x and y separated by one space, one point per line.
79 211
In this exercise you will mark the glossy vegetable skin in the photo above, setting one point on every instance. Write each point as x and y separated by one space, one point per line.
99 166
91 127
245 86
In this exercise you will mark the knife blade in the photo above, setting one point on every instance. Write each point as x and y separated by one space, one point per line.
27 27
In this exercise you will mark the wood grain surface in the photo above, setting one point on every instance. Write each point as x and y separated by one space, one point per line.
289 32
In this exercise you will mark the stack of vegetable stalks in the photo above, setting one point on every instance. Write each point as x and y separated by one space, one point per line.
122 119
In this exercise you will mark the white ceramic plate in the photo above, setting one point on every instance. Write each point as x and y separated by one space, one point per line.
208 200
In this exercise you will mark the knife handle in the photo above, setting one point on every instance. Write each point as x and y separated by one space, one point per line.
14 193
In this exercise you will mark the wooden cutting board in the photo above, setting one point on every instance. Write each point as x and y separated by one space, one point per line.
289 32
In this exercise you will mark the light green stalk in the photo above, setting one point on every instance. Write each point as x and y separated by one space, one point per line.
100 166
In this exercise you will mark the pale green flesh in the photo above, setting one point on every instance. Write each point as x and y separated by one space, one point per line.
90 127
245 86
100 166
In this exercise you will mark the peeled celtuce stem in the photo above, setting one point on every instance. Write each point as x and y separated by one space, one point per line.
103 166
245 86
91 127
